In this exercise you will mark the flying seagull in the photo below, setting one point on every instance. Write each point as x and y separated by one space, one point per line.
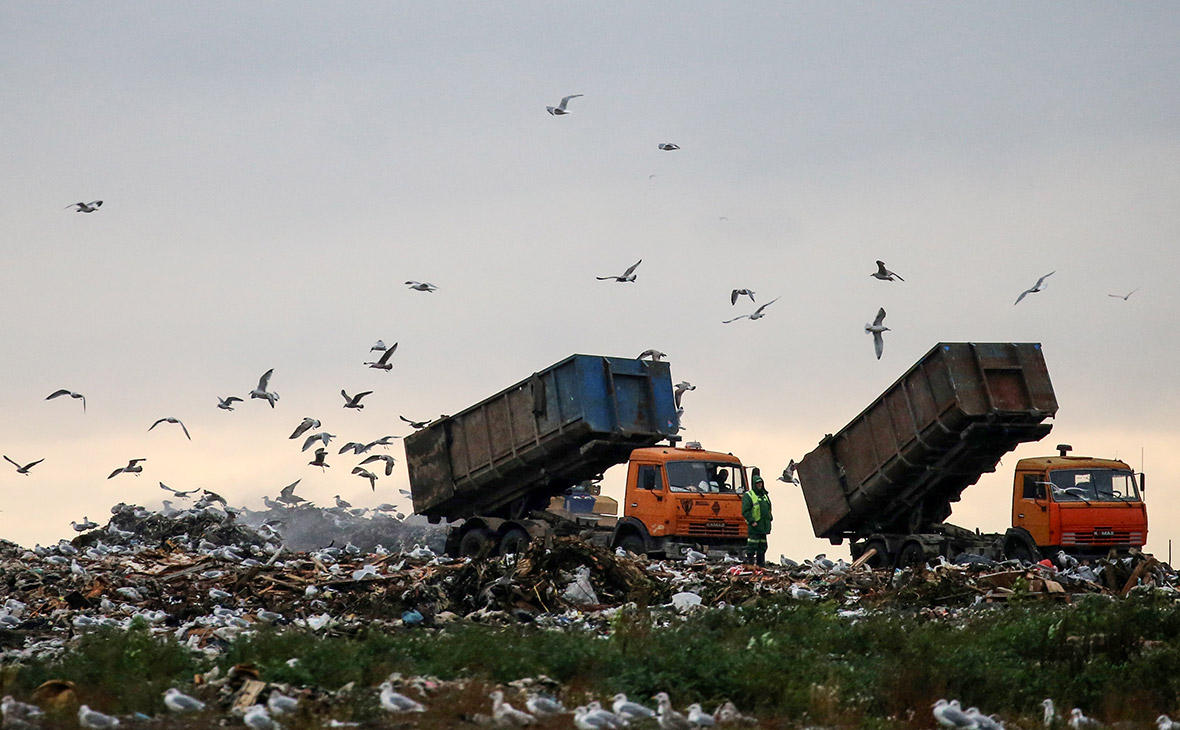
385 441
628 275
287 494
1124 297
757 313
262 392
81 397
85 207
354 401
23 469
788 475
679 388
733 295
421 286
1040 285
383 363
227 404
170 419
177 492
876 328
132 467
320 453
415 424
653 353
306 425
323 436
884 274
366 474
560 109
389 462
355 447
669 146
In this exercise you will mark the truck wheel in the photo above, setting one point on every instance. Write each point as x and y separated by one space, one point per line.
911 556
514 542
1020 551
633 543
475 543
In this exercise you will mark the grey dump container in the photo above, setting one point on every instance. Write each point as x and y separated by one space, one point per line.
567 423
898 466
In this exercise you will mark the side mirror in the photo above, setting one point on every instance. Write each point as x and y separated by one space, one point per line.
1142 482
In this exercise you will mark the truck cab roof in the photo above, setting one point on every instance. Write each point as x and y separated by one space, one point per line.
1043 463
673 453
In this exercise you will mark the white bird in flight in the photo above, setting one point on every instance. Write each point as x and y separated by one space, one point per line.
788 475
875 329
415 424
679 388
1124 297
170 419
23 469
421 286
366 474
81 397
884 274
262 392
85 207
560 109
227 404
1039 286
383 363
628 275
756 314
132 467
733 295
320 453
323 436
306 425
354 401
389 462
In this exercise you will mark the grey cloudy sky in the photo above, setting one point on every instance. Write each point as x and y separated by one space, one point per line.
272 173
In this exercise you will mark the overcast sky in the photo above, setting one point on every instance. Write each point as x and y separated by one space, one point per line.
272 174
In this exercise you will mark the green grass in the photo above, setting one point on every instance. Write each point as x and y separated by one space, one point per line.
775 657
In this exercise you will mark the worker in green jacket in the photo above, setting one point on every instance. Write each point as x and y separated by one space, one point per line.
756 510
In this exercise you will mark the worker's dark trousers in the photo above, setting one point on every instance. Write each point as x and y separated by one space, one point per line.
756 550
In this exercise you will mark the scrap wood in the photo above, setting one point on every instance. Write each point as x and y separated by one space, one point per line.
865 557
1140 569
248 694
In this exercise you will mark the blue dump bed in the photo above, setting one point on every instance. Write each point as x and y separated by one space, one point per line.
568 423
898 466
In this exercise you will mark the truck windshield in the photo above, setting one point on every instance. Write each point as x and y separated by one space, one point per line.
1093 485
705 476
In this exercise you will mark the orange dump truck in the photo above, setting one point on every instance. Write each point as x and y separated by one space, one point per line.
507 470
886 481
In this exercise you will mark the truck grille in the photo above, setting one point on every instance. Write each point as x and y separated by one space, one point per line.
714 528
1102 536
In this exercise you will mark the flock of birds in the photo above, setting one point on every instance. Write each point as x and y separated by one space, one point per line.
951 715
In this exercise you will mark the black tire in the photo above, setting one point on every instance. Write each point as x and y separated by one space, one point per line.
1019 550
911 556
514 541
882 559
475 543
633 543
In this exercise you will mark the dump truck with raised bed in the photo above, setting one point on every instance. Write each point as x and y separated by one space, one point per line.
499 471
887 480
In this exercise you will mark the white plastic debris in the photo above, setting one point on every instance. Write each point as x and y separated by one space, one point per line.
580 590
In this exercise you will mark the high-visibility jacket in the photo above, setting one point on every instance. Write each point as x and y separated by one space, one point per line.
756 508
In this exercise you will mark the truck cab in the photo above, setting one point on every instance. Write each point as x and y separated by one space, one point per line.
681 497
1079 504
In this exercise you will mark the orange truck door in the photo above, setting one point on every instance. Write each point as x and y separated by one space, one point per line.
1030 505
645 496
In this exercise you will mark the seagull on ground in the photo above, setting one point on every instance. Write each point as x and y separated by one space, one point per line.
679 388
280 704
669 146
389 462
304 426
1050 717
982 721
394 701
788 475
132 467
262 392
354 401
728 714
257 718
415 424
884 274
1039 286
1163 722
322 436
949 715
16 712
320 453
756 314
24 469
95 720
1124 297
542 706
506 715
84 525
366 474
90 207
383 363
421 286
629 710
170 419
178 701
596 715
1079 721
585 719
628 275
669 718
227 404
875 329
699 718
560 109
733 295
81 397
800 593
653 353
